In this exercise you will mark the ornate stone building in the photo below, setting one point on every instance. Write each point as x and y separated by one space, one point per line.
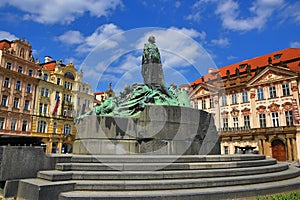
255 104
39 101
18 83
60 97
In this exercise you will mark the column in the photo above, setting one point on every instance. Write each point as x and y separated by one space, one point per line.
59 146
260 147
289 149
294 152
49 147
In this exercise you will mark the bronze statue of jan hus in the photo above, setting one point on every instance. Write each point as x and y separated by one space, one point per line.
151 63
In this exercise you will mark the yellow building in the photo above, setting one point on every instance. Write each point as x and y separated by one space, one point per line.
58 88
255 104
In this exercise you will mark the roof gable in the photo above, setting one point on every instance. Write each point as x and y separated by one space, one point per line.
272 74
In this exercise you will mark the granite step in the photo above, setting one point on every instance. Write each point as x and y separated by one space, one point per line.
223 192
161 166
56 175
163 158
167 184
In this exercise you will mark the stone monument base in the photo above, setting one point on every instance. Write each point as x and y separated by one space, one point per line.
169 130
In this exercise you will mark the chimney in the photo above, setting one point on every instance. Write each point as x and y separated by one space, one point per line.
48 59
211 70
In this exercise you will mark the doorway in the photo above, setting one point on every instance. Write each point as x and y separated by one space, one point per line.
278 150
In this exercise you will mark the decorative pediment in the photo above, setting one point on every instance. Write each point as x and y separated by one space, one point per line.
274 107
234 112
246 111
271 74
261 109
200 91
287 106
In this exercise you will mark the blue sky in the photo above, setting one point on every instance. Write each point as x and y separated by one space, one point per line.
105 38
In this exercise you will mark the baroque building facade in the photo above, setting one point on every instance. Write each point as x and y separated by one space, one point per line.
18 83
255 104
60 97
40 101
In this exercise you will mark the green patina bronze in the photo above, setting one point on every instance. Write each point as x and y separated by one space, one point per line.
134 98
151 53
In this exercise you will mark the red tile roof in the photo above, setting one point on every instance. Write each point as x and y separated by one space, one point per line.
5 43
285 55
50 65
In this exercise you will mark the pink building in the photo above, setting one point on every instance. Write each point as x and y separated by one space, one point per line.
18 82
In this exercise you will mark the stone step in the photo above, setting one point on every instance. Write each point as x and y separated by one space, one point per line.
160 166
167 184
224 192
163 158
55 175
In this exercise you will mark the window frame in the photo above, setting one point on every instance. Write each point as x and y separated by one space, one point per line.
260 94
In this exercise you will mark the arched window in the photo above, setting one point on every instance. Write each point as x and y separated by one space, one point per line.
42 125
22 53
69 75
67 129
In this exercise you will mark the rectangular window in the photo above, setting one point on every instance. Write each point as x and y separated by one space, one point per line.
246 121
58 81
20 69
262 120
24 125
260 94
16 102
13 124
28 89
26 105
225 122
226 150
272 90
224 101
45 77
30 72
8 65
286 89
6 83
41 108
1 123
203 104
234 100
245 96
289 117
18 85
235 122
4 100
45 108
211 102
42 92
196 104
46 92
275 119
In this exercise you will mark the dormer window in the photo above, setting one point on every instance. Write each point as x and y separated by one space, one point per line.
243 66
277 56
45 77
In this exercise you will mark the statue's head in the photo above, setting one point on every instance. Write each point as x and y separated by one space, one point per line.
151 39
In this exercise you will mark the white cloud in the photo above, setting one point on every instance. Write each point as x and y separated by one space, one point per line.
222 42
71 37
101 35
295 44
7 35
119 56
64 12
261 10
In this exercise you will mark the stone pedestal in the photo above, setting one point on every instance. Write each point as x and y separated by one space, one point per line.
170 130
